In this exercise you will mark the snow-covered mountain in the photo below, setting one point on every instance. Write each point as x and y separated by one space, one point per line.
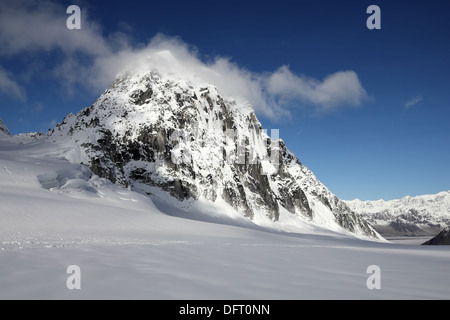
164 134
443 238
420 215
3 129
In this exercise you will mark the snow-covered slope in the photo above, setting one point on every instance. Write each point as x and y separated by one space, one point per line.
420 215
54 214
164 134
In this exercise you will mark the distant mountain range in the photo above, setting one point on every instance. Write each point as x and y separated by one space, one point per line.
409 216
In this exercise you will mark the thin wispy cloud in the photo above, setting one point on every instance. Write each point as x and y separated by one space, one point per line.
10 87
48 125
413 102
92 60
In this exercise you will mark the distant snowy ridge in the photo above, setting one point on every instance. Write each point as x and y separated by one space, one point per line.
420 215
127 136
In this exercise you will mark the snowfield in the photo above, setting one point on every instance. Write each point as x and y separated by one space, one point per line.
54 214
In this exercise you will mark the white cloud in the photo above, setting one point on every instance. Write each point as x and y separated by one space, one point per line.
32 26
27 26
269 93
414 101
10 87
340 88
172 56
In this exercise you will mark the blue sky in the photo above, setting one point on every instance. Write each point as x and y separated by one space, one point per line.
386 137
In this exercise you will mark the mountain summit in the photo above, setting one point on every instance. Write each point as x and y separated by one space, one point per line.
164 134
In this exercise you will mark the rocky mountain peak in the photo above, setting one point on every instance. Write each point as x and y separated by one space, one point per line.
151 131
443 238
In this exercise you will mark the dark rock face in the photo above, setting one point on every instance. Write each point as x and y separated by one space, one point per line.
443 238
405 229
190 142
3 128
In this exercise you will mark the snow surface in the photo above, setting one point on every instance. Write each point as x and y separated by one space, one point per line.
54 214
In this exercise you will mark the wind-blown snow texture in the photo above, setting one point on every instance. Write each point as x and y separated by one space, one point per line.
155 132
420 215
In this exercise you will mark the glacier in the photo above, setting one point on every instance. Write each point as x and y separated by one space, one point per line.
128 247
